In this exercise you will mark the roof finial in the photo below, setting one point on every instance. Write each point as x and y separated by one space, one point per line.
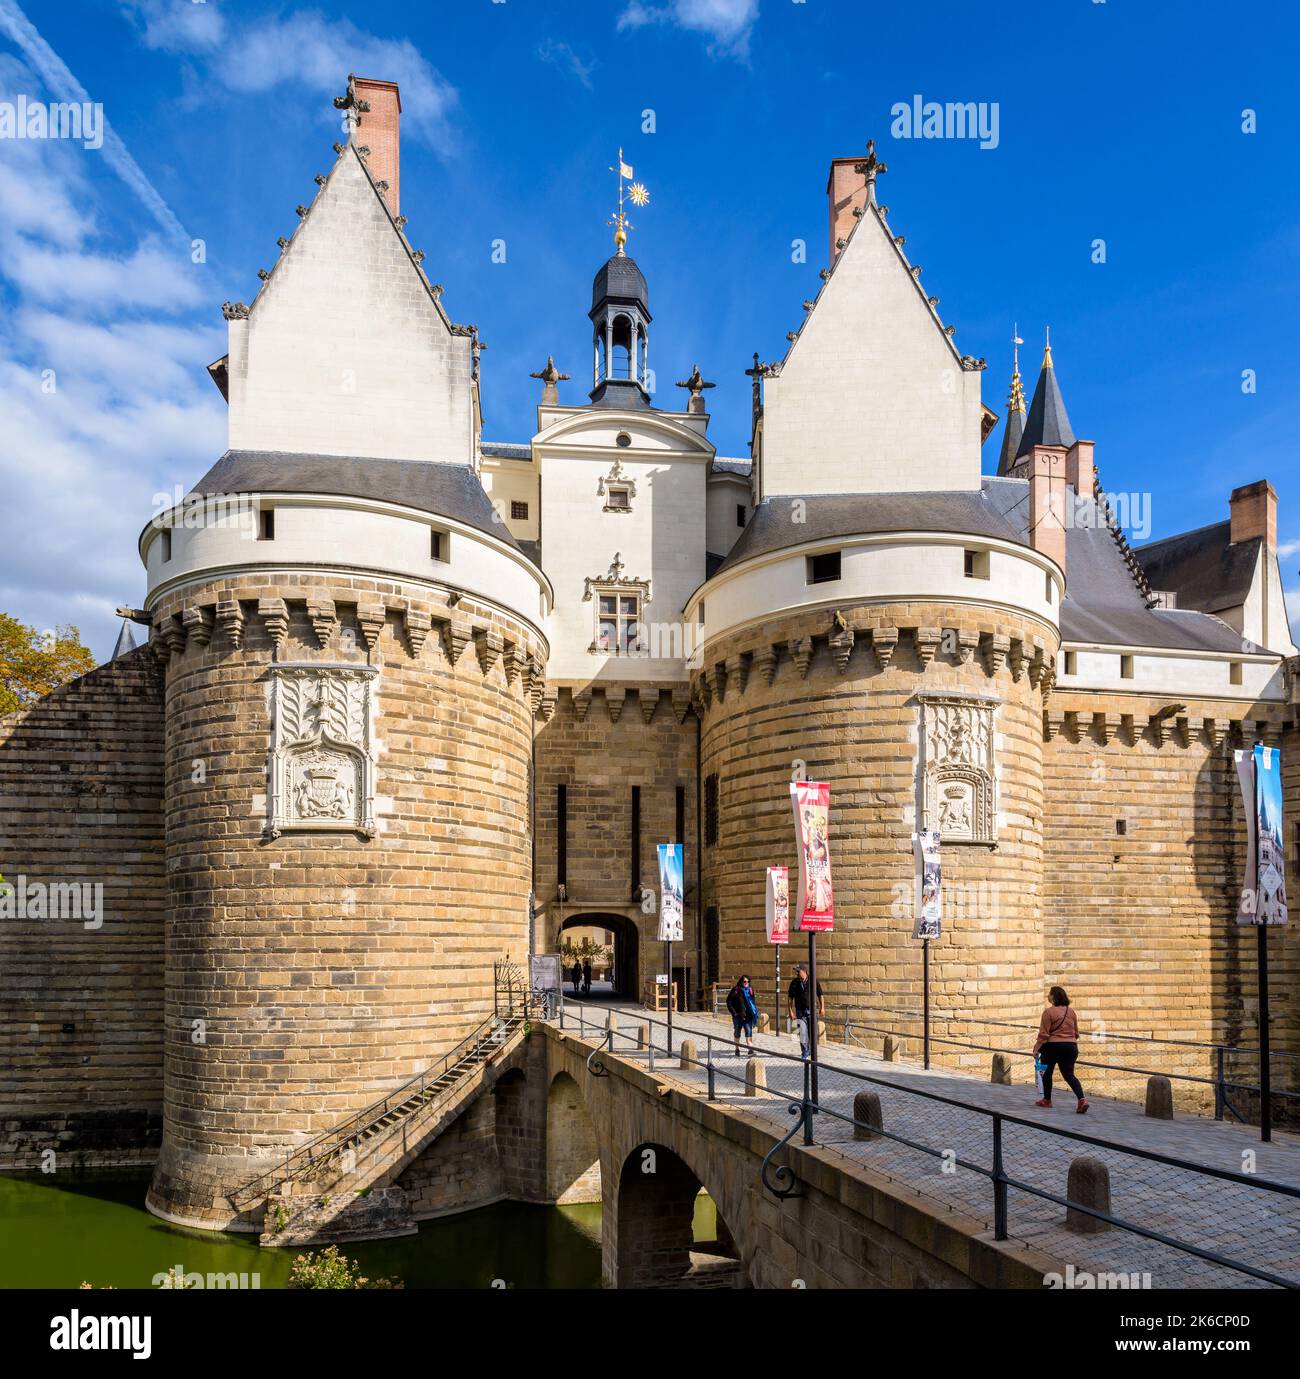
636 193
1016 402
1047 350
872 167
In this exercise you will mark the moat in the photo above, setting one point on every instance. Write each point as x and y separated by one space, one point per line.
95 1229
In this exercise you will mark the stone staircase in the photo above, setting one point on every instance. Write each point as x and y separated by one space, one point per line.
342 1184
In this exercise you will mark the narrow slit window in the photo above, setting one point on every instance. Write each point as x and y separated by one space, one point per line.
438 545
1126 667
266 525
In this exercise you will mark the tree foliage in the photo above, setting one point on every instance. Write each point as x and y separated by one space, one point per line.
330 1268
33 663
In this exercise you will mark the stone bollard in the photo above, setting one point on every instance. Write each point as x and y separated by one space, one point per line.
1001 1069
1089 1185
764 1022
821 1031
755 1078
1160 1098
867 1116
690 1055
890 1049
643 1037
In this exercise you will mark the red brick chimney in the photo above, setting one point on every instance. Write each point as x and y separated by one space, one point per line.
1045 471
1080 468
377 128
845 190
1254 513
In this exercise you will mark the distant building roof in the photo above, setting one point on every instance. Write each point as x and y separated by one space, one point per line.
1204 568
744 468
446 490
507 450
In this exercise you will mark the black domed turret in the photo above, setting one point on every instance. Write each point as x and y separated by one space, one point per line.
620 280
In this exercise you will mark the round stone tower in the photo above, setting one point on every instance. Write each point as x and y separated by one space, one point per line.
904 662
347 786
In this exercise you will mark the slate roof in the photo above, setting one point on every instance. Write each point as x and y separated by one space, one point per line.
507 450
1204 567
1015 429
744 468
626 394
619 279
446 490
1047 422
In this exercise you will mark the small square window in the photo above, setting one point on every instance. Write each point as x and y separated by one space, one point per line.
438 545
1126 667
1072 663
518 510
617 498
823 569
740 514
1234 673
976 564
166 544
266 525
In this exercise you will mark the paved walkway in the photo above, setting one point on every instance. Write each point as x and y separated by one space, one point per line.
1234 1220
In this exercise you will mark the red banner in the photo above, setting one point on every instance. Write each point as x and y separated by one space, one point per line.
812 806
778 905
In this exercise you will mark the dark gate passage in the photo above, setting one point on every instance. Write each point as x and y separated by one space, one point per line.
627 957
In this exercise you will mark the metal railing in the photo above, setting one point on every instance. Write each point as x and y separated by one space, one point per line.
483 1042
782 1180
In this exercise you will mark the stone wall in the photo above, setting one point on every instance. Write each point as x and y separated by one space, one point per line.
327 968
599 743
81 1009
797 697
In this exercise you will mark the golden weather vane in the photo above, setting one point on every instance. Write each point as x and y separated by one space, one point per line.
636 194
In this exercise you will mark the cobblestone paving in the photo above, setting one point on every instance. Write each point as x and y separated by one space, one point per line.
1234 1220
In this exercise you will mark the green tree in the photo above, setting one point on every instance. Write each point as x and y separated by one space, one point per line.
330 1268
33 663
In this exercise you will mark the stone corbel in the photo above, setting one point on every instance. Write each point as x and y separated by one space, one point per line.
738 671
1037 664
230 619
324 618
649 699
681 702
198 625
276 617
1056 723
1128 729
801 653
547 706
536 681
455 637
1105 725
581 703
489 643
614 699
765 659
967 640
841 641
996 648
1216 731
371 617
1049 682
883 642
1162 727
716 675
700 689
1016 659
515 662
926 641
418 623
1184 730
168 638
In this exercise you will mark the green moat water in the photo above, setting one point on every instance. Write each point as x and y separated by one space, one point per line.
95 1229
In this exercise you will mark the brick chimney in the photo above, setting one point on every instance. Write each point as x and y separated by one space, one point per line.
377 128
845 190
1045 469
1080 470
1254 513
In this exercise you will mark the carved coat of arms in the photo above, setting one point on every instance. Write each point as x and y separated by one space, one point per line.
321 762
958 785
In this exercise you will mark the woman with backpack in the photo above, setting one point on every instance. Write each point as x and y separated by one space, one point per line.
744 1013
1058 1047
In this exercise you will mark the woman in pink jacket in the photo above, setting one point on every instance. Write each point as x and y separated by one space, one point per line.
1058 1040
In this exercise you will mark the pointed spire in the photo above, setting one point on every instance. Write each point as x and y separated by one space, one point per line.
125 641
1048 423
1015 427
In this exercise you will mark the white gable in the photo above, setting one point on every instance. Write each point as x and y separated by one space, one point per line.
872 397
344 351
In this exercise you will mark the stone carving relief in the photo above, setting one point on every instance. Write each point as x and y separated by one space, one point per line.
958 785
322 772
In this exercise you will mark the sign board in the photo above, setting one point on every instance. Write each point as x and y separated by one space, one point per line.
778 904
1263 888
670 893
811 801
929 891
544 972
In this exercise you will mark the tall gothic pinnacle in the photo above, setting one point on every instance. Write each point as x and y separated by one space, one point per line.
871 169
1015 427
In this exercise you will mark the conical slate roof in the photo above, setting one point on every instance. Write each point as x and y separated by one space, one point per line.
125 641
1047 423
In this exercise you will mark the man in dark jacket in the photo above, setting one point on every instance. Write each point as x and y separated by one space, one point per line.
800 1004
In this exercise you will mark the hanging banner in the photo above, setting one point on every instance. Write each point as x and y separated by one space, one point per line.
778 904
670 893
811 800
929 892
1263 889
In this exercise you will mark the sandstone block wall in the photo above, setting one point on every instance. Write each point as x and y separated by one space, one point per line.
327 968
81 1010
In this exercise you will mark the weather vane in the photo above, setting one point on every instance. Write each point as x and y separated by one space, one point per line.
636 194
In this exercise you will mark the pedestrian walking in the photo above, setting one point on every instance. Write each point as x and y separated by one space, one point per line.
801 1004
1058 1046
586 977
744 1013
575 976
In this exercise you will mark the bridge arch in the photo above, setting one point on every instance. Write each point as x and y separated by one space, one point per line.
572 1150
653 1241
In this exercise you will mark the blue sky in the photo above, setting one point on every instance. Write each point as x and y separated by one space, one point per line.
1116 121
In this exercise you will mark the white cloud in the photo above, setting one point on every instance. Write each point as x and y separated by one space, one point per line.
727 23
303 49
1288 549
562 55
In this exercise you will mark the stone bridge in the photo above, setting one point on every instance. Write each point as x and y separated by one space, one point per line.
645 1144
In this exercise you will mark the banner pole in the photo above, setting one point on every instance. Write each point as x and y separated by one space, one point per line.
1265 1090
813 1013
925 998
776 1028
669 947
